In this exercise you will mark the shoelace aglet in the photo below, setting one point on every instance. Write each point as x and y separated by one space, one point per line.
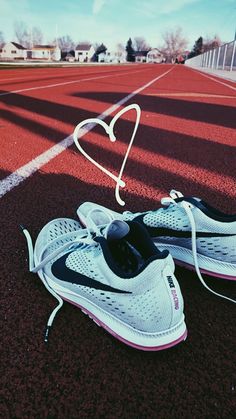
22 227
46 334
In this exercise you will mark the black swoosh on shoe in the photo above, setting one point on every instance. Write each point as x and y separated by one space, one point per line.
63 273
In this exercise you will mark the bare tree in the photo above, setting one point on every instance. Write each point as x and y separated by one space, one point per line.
120 50
65 43
95 45
174 44
1 39
28 37
209 43
36 36
22 34
140 44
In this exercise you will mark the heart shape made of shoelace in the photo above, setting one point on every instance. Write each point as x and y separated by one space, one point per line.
78 133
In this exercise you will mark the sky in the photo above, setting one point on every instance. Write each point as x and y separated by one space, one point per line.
114 21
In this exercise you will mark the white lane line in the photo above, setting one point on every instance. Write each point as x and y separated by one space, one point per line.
212 78
68 82
21 174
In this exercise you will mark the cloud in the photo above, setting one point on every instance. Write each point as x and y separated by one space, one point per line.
152 8
98 5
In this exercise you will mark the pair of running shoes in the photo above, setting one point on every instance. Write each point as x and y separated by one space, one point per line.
119 268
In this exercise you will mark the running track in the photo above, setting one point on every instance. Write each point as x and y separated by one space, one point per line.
186 140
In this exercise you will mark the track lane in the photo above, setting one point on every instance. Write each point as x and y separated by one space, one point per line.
42 117
48 80
156 118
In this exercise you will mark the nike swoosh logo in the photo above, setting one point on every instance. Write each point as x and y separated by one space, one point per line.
63 273
161 231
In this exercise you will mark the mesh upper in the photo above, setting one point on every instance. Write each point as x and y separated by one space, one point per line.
223 249
150 311
173 217
128 216
84 261
56 229
61 226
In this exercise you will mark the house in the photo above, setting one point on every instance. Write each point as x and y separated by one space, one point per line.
155 56
13 51
140 56
44 52
69 57
103 57
84 52
112 57
121 56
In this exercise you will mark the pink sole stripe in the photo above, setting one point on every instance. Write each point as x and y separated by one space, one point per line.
133 345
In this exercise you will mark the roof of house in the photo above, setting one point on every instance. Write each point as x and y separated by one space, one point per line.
140 53
43 47
83 47
155 51
18 45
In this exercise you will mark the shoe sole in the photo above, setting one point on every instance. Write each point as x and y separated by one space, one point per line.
208 266
136 339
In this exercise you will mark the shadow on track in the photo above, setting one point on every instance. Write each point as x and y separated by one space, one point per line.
178 148
195 111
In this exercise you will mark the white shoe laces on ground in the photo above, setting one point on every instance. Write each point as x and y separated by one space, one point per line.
188 209
84 237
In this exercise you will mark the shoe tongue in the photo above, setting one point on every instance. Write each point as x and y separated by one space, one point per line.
116 230
100 217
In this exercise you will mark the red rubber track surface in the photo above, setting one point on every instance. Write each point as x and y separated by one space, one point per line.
186 140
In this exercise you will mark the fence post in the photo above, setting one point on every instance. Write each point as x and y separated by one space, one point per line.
223 67
218 57
213 58
203 59
232 59
210 58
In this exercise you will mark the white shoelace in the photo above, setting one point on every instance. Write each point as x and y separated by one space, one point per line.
84 238
188 209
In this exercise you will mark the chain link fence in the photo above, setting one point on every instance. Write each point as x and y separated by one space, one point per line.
220 58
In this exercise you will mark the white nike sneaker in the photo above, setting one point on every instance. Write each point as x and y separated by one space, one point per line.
197 235
116 275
